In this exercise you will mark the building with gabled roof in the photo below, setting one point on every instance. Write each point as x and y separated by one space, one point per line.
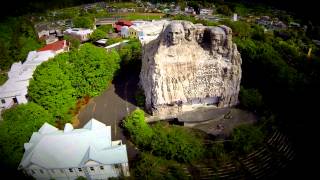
15 89
71 153
57 47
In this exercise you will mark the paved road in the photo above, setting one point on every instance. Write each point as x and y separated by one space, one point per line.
112 106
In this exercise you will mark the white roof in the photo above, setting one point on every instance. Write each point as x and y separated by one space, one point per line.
51 148
78 31
20 74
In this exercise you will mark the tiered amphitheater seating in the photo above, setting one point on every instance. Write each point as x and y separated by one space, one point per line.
205 172
230 171
282 145
261 163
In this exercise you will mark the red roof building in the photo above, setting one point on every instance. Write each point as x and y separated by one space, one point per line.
56 47
121 23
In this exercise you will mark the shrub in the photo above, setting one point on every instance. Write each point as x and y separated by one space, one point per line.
139 130
246 138
176 143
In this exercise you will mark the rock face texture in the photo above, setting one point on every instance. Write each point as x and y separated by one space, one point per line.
190 66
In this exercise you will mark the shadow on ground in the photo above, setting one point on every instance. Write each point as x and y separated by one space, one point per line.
115 103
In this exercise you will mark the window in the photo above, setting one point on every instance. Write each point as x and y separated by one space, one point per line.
52 171
41 171
3 101
91 168
79 169
101 167
70 170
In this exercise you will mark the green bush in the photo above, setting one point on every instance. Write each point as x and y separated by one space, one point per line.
169 142
16 129
247 138
176 143
151 167
138 129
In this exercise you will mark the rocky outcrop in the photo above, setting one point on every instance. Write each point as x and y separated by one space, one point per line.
190 66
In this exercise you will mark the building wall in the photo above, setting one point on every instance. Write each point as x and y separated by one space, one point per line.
6 102
90 172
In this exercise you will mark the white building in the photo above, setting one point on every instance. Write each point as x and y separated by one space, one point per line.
71 153
206 11
124 31
15 89
235 17
147 31
79 33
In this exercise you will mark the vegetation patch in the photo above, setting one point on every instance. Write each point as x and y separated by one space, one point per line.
16 128
58 83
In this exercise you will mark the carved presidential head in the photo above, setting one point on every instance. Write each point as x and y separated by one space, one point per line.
189 29
218 37
174 33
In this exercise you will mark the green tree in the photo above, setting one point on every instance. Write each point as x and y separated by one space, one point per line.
16 129
83 22
93 70
97 34
52 89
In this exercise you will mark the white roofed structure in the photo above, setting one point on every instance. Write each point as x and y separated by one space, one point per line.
79 33
87 152
15 89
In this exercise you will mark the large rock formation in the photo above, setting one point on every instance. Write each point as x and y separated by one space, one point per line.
189 66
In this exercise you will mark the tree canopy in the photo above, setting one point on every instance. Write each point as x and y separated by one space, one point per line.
16 129
57 83
98 34
51 88
83 22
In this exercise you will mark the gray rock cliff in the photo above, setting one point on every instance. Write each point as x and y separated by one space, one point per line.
190 66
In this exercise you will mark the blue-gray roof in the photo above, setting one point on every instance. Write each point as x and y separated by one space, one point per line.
51 148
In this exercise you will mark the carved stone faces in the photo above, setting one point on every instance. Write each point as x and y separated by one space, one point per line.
217 38
174 33
189 30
